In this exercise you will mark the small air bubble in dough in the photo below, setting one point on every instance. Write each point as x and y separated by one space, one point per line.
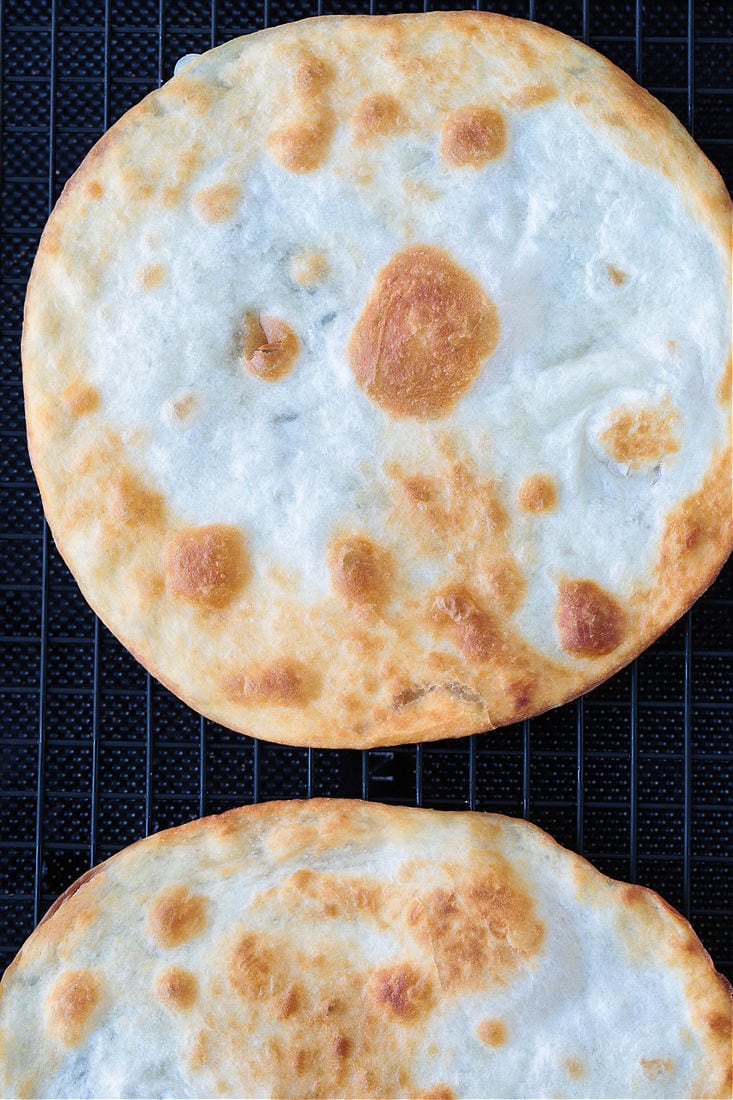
183 61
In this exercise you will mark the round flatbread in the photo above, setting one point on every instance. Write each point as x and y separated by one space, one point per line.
378 376
349 949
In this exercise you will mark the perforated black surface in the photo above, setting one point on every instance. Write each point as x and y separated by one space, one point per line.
94 754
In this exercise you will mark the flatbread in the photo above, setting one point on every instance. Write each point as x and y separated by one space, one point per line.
378 376
348 949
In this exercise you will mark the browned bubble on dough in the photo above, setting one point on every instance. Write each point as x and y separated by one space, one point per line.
590 621
616 275
475 630
574 1068
70 1004
207 566
493 1033
176 988
268 346
360 570
307 268
152 276
181 408
472 136
175 916
642 436
479 931
403 991
423 335
654 1068
217 203
302 146
285 682
80 398
311 77
537 493
131 503
376 116
533 95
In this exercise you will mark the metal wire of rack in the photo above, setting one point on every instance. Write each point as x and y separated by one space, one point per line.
94 753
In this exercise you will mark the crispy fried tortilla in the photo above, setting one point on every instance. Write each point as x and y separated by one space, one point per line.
345 949
378 376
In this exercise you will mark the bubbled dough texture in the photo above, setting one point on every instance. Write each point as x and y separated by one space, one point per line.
616 999
298 462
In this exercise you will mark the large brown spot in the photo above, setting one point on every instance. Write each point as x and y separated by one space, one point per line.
403 991
176 988
641 437
472 136
207 566
590 622
423 335
480 931
217 203
492 1032
375 116
360 570
175 916
285 682
268 347
70 1004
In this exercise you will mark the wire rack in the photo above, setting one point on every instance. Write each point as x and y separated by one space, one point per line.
94 753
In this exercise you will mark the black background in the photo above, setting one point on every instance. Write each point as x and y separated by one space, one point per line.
94 753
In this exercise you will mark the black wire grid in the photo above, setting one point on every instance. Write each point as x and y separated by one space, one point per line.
94 753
